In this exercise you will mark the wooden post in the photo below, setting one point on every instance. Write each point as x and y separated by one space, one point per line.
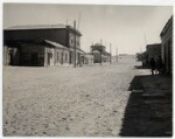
101 58
75 46
110 54
117 55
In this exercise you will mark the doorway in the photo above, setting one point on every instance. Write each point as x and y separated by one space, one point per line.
34 59
11 57
48 59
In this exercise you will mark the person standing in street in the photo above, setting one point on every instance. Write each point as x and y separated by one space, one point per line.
153 65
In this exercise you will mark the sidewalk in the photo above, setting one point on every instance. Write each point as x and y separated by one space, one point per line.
149 108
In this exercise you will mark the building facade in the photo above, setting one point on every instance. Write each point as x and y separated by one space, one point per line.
166 47
42 46
153 51
100 54
89 58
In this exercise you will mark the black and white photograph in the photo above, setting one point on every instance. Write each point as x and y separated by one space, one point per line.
87 70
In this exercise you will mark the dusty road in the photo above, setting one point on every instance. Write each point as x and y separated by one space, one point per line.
63 101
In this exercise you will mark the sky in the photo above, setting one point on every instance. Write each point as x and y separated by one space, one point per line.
127 28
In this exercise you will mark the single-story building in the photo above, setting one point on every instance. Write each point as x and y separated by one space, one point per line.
45 53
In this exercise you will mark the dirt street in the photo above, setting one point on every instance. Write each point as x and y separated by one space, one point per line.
64 101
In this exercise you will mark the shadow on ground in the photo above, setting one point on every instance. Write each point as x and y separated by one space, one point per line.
149 109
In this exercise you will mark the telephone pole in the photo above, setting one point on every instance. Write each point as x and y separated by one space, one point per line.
145 41
110 54
75 46
117 55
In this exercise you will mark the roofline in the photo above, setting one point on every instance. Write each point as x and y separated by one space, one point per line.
43 27
27 27
72 29
98 44
170 20
153 44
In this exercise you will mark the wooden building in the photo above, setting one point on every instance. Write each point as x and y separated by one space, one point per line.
42 45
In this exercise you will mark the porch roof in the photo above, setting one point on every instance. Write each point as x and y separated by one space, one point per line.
55 44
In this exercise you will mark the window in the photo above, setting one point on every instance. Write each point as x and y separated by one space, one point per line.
71 40
65 57
78 43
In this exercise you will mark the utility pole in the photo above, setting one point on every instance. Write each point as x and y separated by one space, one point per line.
79 19
117 55
145 41
101 58
101 52
75 46
110 54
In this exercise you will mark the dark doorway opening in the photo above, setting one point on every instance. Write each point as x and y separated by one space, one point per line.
62 56
70 58
48 58
11 57
34 59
